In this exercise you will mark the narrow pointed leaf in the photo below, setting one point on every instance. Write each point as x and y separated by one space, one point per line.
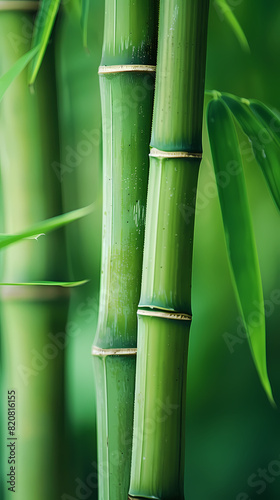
43 27
64 284
226 11
7 79
45 226
265 148
240 241
84 21
267 117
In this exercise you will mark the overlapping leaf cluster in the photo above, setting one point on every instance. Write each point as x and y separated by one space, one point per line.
262 127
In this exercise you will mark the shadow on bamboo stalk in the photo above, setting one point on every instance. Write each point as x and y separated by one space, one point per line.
32 317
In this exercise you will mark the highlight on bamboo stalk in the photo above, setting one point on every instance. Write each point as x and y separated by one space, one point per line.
164 314
126 73
240 241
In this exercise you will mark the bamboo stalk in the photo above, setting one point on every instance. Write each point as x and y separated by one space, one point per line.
165 305
32 319
80 174
127 84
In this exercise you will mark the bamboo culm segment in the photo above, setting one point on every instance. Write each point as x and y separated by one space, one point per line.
157 470
167 260
32 343
178 105
125 143
159 422
126 100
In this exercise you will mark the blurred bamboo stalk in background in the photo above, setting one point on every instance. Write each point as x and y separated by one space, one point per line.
127 86
33 318
164 314
80 174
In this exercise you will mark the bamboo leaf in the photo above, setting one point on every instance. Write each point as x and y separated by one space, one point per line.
84 21
7 79
65 284
227 13
240 241
267 117
45 226
265 148
42 30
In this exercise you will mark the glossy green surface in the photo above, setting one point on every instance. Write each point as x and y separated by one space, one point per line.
261 133
160 397
167 261
126 101
178 106
239 234
126 131
115 382
130 32
167 264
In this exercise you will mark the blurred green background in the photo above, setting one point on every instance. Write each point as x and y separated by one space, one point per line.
232 433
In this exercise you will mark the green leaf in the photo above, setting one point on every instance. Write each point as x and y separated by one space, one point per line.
267 117
227 13
240 241
84 21
265 148
7 79
65 284
45 226
42 30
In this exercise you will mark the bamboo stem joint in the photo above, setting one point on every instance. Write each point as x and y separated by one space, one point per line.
157 153
121 68
165 314
98 351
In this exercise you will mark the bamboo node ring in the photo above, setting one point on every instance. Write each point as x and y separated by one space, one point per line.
98 351
25 5
165 314
157 153
121 68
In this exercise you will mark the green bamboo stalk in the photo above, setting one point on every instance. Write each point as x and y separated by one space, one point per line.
127 85
32 317
81 177
165 306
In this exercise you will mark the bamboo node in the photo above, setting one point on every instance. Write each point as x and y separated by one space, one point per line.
26 5
34 293
121 68
157 153
165 314
98 351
